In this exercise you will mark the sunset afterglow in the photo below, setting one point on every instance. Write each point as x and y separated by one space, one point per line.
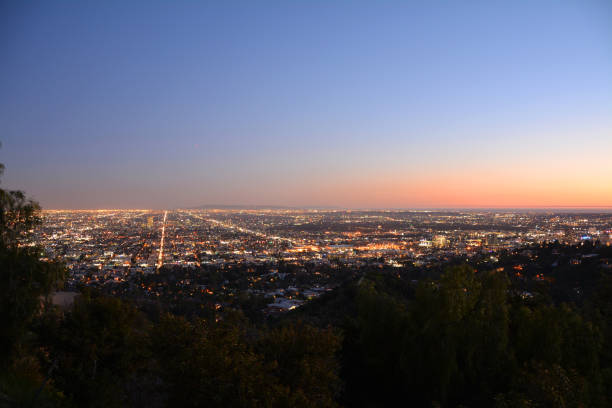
309 104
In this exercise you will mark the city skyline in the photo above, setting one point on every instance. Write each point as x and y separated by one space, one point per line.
316 203
348 105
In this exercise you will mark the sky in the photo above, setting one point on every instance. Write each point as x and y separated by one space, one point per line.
379 104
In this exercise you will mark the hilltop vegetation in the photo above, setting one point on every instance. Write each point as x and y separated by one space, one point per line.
530 329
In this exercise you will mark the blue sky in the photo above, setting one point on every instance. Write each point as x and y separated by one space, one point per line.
354 104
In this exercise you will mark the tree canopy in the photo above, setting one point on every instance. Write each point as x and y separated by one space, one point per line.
466 339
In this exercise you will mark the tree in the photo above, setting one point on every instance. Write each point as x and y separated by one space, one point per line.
25 285
211 364
304 361
99 346
25 280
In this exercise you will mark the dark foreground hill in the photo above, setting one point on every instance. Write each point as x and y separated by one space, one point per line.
528 332
533 329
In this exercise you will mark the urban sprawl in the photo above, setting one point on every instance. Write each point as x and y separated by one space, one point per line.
284 257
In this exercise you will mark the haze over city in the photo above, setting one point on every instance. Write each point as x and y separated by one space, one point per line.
344 104
306 203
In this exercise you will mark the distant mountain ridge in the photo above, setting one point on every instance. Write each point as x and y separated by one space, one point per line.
259 207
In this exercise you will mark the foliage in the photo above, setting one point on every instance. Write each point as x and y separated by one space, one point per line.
467 339
18 215
464 340
25 284
97 346
303 359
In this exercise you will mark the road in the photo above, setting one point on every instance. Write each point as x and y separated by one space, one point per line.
230 226
160 260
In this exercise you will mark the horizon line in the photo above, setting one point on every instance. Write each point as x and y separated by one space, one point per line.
340 208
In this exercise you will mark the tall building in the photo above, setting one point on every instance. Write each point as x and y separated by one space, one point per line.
440 241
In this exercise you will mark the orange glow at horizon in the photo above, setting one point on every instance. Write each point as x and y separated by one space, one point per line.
464 189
